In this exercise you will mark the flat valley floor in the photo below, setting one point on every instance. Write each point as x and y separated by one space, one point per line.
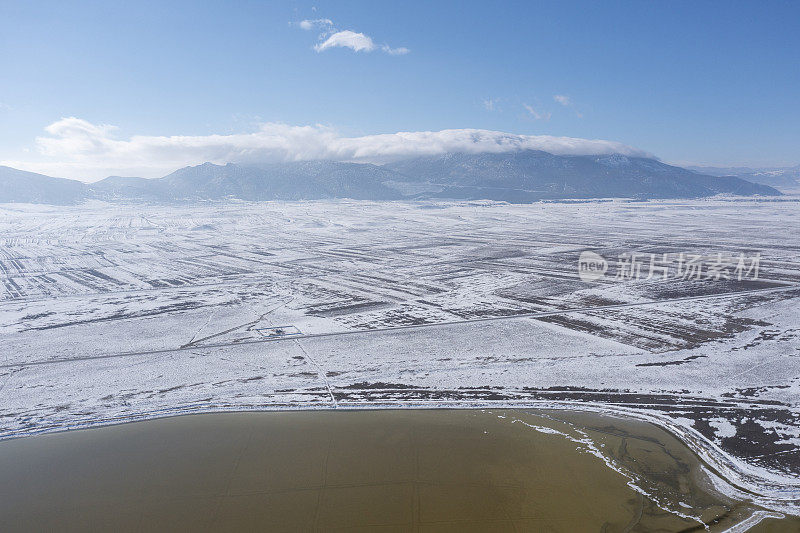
114 313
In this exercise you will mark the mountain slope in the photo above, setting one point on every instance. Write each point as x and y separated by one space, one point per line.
518 177
126 188
781 177
29 187
530 175
280 181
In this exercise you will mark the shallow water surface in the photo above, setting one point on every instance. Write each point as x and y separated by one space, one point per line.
399 470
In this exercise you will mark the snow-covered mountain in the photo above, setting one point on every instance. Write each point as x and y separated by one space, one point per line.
518 177
780 177
279 181
29 187
532 175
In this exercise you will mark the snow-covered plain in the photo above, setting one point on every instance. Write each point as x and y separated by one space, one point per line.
111 313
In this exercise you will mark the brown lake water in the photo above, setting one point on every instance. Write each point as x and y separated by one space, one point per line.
389 470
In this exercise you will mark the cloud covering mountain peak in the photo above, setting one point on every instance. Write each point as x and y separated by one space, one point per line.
77 148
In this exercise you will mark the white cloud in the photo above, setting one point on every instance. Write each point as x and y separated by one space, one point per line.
536 114
566 101
330 37
489 104
79 149
399 51
347 39
562 99
309 24
74 135
357 42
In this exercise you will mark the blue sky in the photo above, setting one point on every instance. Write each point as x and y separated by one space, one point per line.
691 82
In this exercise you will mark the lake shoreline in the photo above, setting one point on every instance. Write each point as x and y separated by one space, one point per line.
541 449
732 477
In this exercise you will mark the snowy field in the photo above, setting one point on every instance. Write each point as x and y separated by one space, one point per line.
111 313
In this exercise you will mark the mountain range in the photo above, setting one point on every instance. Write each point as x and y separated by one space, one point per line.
517 177
781 177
